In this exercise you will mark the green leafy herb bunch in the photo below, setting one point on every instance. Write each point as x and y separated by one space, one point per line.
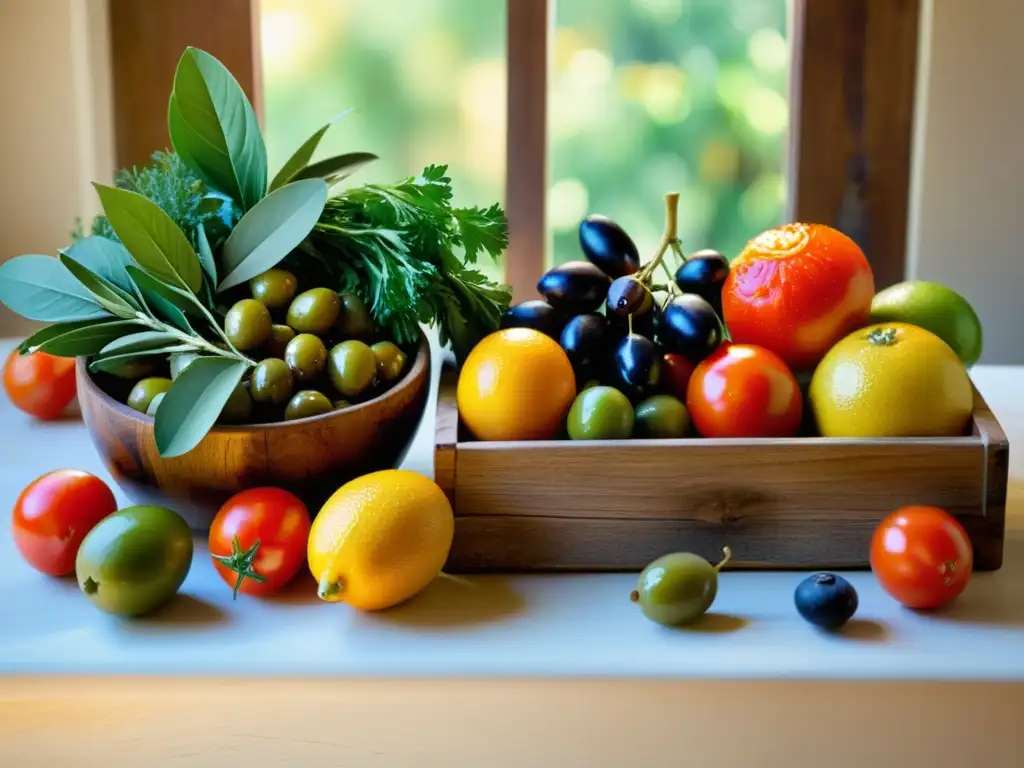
180 239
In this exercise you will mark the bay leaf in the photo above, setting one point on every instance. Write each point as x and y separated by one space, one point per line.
193 403
206 255
106 294
217 128
301 157
105 257
45 334
164 301
89 339
152 238
271 230
140 342
336 168
41 288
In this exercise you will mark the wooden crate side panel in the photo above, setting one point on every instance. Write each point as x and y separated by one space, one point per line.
988 544
565 543
721 483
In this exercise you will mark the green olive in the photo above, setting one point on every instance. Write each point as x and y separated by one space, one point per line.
271 381
280 335
600 413
238 408
155 403
306 403
661 416
306 355
390 360
144 391
275 288
314 311
354 321
180 362
247 324
133 369
341 405
351 366
678 588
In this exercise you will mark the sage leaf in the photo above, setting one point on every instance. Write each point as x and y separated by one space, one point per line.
113 363
301 157
152 238
166 301
41 288
45 334
193 403
106 294
87 340
206 254
140 342
105 257
223 137
336 168
271 230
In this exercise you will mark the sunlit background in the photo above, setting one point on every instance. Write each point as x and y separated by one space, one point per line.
646 96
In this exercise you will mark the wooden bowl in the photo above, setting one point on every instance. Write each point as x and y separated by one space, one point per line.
311 457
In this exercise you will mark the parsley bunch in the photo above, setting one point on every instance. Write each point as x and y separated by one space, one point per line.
406 252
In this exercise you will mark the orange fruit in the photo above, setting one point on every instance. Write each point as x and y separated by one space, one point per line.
516 384
797 289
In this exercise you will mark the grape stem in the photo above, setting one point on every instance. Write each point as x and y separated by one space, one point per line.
670 239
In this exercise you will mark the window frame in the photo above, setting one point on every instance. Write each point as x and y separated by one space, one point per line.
852 94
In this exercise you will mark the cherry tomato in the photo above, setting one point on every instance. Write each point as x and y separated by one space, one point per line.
39 384
922 556
54 513
797 289
744 391
258 540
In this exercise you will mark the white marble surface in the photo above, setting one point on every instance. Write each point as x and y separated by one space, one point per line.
498 626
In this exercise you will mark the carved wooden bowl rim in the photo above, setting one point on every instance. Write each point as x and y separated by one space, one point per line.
414 378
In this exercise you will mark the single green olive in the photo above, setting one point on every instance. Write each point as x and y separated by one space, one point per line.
307 403
314 311
275 288
238 408
600 413
133 369
306 355
661 416
247 324
351 366
271 381
155 403
280 335
390 360
180 362
678 588
144 391
354 321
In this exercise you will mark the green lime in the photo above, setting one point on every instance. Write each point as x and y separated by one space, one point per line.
600 413
935 308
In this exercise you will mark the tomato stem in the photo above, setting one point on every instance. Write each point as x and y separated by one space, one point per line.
240 561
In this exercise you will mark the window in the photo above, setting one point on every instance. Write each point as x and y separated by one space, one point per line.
755 110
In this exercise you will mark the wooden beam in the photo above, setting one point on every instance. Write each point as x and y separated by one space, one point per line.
526 146
147 39
854 76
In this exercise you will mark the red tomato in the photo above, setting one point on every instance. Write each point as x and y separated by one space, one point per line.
39 384
922 556
744 391
258 540
676 371
797 290
54 513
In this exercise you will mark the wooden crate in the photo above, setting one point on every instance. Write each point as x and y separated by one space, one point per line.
798 503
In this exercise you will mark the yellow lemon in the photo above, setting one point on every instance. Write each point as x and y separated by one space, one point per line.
380 539
891 380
